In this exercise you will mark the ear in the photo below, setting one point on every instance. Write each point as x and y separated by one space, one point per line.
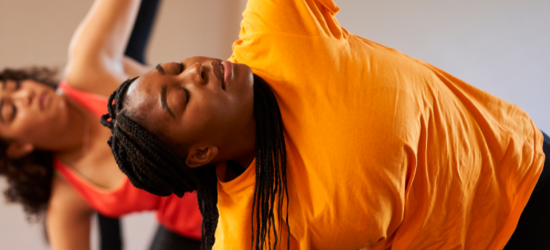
200 155
18 150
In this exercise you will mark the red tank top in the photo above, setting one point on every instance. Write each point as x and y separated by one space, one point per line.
180 215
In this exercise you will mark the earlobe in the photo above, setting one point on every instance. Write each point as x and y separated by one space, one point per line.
18 150
200 156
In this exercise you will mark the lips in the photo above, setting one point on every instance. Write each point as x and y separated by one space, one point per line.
218 69
44 100
228 72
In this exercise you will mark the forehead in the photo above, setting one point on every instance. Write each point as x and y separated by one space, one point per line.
142 105
136 93
140 97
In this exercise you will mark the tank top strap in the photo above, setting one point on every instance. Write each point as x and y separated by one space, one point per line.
94 103
122 200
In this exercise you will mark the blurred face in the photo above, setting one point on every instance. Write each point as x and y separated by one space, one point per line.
199 102
29 112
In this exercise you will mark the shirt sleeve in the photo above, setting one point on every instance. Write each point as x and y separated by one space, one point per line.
305 17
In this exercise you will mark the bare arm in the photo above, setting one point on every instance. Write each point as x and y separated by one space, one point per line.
96 52
133 68
68 218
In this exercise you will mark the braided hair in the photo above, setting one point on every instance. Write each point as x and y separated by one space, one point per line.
153 166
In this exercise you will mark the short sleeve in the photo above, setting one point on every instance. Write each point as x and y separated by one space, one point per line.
305 17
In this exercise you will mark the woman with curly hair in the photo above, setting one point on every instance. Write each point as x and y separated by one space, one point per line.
311 137
53 149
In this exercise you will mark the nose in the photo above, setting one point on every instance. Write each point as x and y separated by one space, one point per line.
23 96
196 74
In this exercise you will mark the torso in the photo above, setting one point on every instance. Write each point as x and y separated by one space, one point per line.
95 161
382 148
98 165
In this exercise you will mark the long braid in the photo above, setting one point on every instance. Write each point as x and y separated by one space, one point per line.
153 166
142 156
271 182
208 200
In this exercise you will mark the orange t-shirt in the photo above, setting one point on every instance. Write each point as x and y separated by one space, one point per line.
384 150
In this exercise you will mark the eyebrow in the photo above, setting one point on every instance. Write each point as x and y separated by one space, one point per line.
163 101
160 69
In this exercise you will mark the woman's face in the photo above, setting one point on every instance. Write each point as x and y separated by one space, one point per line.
198 102
30 112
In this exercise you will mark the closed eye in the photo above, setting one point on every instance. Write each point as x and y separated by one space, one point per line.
187 96
10 115
13 112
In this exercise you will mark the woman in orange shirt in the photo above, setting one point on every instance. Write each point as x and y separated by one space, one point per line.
310 137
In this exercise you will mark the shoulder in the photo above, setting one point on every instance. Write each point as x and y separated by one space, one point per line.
313 17
94 80
62 195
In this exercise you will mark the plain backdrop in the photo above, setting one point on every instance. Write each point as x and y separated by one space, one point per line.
501 46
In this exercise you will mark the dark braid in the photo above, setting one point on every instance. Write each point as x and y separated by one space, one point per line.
153 166
207 193
271 180
141 155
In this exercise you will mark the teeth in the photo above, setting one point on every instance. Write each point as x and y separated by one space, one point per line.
221 68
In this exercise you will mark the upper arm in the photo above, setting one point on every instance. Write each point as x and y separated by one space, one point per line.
68 218
133 68
96 52
304 17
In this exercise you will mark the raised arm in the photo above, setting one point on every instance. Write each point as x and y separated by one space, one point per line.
68 225
96 54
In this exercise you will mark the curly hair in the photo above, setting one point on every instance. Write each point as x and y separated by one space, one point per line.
29 177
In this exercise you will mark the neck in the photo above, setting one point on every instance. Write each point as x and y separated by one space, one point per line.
248 145
72 142
246 160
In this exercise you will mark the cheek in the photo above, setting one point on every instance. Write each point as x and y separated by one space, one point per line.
39 124
27 131
26 121
201 121
241 108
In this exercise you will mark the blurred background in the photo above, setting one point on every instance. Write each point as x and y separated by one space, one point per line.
501 46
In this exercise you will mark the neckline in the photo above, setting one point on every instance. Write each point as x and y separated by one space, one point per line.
74 174
240 182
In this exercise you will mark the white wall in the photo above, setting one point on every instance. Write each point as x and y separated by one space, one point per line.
501 46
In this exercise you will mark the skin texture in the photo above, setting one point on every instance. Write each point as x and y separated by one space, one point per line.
23 107
96 65
205 118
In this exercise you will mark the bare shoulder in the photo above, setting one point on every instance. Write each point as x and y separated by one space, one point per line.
65 199
95 80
